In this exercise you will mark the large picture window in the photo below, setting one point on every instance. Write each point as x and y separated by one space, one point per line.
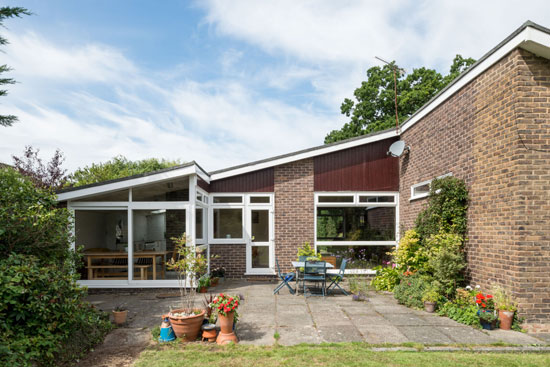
360 227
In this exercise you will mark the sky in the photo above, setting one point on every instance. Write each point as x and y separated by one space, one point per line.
218 82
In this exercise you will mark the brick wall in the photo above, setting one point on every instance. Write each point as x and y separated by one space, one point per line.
474 135
294 205
232 257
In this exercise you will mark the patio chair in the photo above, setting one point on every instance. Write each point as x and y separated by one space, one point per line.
314 273
337 278
285 278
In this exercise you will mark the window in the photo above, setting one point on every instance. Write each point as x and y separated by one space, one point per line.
260 200
359 257
228 223
335 199
356 224
376 199
422 189
228 199
198 223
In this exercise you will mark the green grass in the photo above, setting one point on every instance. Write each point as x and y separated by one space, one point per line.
343 354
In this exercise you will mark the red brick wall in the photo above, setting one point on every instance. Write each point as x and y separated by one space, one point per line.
294 205
231 256
474 135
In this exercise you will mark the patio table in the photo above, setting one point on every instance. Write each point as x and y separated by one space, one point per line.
300 264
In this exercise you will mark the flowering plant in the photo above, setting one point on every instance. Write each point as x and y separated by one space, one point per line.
486 306
224 304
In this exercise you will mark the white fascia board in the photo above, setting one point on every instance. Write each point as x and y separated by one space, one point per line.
303 155
202 174
120 185
530 39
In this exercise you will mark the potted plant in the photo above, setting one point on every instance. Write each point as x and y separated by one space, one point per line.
430 298
226 308
120 313
214 281
190 266
218 272
204 283
486 311
506 307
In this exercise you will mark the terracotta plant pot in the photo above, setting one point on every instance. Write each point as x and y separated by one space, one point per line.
209 332
120 317
429 306
214 282
202 290
187 327
506 318
226 334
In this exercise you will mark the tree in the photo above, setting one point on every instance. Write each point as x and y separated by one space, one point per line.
5 13
45 176
374 106
117 167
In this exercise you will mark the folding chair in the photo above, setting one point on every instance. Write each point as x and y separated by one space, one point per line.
285 277
314 273
337 278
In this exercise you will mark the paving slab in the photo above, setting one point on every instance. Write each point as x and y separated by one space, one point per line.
376 334
425 334
252 333
404 319
294 335
339 333
513 337
466 335
367 320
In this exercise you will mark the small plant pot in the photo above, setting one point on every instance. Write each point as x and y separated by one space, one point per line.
506 318
429 306
214 282
209 332
202 290
120 317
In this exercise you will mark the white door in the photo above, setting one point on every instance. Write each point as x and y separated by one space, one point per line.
259 247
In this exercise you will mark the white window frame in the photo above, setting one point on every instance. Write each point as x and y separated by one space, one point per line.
357 203
427 182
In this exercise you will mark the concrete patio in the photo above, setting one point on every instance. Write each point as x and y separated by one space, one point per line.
297 319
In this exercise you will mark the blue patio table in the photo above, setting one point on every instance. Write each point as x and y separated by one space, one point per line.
300 264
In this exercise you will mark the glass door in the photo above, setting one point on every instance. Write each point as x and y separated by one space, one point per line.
259 247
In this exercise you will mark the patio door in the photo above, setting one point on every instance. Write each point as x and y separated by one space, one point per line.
259 247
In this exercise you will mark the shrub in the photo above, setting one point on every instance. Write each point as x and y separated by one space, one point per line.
446 210
463 308
410 255
446 260
308 251
30 222
411 288
45 320
386 278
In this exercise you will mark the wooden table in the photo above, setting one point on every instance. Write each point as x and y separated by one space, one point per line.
124 255
301 264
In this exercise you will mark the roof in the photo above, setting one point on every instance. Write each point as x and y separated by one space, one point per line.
530 36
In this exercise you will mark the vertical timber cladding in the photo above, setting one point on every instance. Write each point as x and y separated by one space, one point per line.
474 135
363 168
294 206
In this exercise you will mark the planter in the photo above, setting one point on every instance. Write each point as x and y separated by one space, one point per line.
429 306
226 334
330 260
187 327
202 290
506 318
209 332
120 317
214 282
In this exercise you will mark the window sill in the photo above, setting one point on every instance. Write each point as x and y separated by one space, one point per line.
419 197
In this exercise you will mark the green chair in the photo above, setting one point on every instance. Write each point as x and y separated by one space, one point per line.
337 278
314 272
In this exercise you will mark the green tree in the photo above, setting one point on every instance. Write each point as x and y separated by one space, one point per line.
374 106
117 167
5 13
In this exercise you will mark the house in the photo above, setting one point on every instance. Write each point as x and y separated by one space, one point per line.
490 127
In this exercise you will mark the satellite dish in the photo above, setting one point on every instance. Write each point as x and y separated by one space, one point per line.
398 148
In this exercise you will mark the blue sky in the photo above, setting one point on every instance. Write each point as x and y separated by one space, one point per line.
219 82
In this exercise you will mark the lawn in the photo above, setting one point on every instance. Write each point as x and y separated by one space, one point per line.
345 354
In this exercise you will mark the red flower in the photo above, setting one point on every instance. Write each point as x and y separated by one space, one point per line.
221 295
478 301
489 296
227 309
483 305
230 299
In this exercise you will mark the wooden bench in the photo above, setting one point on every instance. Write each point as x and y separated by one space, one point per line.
94 268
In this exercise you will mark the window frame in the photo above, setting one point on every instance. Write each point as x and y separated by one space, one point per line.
427 182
